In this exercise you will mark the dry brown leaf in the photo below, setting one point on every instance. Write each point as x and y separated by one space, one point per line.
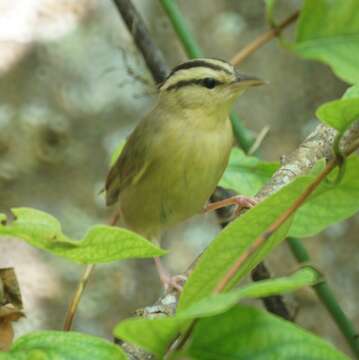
11 308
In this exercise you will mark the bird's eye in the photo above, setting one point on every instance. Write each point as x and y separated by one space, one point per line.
209 83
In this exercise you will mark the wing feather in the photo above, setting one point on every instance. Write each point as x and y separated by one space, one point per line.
132 163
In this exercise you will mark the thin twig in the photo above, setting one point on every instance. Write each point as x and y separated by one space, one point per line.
280 221
72 309
75 301
259 139
263 39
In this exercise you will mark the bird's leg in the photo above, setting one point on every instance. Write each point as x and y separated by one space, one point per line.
239 200
115 218
168 281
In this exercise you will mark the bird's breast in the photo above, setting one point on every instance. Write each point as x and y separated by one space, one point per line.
192 171
179 182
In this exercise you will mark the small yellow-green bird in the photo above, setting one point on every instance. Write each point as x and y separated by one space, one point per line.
173 160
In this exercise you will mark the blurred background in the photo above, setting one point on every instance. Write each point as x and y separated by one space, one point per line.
72 87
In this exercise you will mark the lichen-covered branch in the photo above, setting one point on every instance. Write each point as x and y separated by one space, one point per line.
317 145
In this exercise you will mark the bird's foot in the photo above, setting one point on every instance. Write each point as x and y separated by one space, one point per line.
169 282
238 200
173 282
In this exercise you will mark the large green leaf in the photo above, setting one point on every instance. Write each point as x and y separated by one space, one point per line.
328 31
330 203
101 243
60 345
252 334
230 244
246 174
155 335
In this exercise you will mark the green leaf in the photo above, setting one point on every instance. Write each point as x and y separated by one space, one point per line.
60 345
248 333
231 243
101 243
155 335
152 335
246 174
341 113
328 31
330 203
270 5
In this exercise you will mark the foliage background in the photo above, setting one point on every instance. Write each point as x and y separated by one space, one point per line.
73 85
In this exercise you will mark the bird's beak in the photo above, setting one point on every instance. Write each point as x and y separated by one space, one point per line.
245 81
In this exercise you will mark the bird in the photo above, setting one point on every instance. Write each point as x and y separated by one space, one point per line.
174 158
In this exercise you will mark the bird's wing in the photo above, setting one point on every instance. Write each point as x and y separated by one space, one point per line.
131 165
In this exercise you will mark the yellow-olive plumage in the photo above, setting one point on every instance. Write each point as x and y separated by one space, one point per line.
175 157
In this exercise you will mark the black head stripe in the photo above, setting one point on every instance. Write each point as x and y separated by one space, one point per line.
182 83
199 63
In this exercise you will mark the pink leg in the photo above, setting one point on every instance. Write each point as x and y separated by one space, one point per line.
168 281
239 200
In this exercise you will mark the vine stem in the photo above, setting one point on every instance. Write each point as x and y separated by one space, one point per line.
280 220
263 39
75 301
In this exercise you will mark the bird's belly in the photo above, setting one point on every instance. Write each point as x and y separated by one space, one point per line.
177 190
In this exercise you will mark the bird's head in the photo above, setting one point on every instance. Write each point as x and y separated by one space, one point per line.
205 83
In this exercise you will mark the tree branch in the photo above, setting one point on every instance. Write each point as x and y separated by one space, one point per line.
263 39
151 53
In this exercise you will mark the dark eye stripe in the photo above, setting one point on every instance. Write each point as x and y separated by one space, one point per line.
198 63
183 83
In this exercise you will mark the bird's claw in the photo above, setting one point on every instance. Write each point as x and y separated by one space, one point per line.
173 282
245 201
238 200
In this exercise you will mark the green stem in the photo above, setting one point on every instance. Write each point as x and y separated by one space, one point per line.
182 29
327 297
243 135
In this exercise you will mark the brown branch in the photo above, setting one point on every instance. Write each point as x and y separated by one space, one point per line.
263 39
151 53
